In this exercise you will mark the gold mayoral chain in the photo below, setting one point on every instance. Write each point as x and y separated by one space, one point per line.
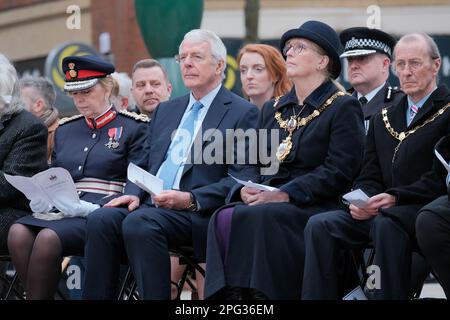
295 122
405 134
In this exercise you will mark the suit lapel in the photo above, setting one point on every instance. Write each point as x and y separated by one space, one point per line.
431 106
213 118
397 116
376 103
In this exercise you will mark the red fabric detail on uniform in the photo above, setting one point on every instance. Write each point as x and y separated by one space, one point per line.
102 121
83 74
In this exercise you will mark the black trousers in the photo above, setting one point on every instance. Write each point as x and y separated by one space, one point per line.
433 236
328 233
143 238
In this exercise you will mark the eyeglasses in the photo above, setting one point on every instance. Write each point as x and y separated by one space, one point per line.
195 57
413 65
297 47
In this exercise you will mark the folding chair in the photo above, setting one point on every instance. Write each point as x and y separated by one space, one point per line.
128 288
10 283
419 269
186 256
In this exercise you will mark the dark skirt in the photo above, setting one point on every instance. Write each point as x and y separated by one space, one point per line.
71 232
265 252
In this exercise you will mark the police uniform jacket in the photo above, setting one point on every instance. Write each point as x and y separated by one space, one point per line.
386 96
23 149
408 170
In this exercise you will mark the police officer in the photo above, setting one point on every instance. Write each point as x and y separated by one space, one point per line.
369 52
96 147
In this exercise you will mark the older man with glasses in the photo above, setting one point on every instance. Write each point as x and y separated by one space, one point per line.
193 186
398 177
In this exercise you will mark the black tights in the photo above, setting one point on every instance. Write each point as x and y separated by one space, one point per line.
37 259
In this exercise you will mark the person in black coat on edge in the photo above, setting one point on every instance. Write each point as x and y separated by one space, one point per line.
433 228
23 148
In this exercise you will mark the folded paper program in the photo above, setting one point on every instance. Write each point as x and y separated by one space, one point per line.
356 197
251 184
52 188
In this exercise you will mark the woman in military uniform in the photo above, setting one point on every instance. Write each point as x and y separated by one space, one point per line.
96 147
258 245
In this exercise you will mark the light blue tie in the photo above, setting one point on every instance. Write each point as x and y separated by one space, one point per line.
170 166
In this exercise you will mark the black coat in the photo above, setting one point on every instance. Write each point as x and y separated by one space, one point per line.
386 96
266 249
414 175
23 151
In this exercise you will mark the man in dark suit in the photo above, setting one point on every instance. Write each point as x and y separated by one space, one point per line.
23 148
433 228
369 54
399 177
193 186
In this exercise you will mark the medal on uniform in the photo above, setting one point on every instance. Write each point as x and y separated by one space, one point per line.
114 135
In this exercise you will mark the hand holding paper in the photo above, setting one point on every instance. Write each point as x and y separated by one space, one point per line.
144 180
52 188
40 205
70 209
357 197
258 186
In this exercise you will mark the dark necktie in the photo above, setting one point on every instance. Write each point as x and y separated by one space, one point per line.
363 101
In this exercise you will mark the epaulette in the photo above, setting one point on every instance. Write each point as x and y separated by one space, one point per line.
277 99
391 92
139 117
351 90
69 119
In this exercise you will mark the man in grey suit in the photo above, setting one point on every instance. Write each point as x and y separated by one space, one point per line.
193 186
369 53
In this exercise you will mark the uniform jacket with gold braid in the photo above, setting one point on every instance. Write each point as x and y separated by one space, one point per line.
100 150
412 173
326 153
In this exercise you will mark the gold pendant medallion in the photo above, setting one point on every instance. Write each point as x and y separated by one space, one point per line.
284 148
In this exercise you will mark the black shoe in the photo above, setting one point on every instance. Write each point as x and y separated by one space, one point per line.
253 294
233 293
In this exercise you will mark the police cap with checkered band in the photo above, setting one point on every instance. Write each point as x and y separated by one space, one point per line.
362 41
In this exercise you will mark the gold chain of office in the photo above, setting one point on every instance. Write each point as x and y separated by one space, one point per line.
295 122
404 134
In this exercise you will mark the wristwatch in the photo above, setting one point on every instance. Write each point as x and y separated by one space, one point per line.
192 204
